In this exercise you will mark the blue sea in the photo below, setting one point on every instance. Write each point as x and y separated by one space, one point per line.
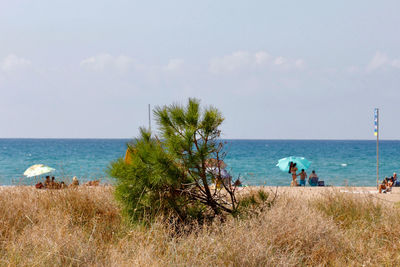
336 162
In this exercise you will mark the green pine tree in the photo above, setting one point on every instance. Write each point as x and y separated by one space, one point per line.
172 173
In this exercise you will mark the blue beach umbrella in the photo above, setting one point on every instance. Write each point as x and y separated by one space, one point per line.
301 162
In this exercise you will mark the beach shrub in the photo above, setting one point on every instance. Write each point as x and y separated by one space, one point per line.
254 202
172 172
348 211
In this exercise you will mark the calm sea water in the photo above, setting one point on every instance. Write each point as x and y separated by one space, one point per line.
336 162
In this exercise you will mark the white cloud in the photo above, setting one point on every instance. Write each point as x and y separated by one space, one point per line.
396 63
106 61
280 61
246 60
261 57
174 64
352 69
13 63
299 63
379 60
230 62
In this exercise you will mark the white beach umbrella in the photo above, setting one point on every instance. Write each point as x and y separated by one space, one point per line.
37 169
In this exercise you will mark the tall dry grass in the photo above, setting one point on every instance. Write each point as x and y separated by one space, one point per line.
83 227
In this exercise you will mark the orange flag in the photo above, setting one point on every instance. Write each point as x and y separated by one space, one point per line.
128 156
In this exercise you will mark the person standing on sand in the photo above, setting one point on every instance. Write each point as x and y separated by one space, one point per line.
290 166
303 176
293 171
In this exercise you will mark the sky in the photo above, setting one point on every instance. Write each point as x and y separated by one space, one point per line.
275 69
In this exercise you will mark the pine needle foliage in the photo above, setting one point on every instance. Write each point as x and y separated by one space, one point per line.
172 172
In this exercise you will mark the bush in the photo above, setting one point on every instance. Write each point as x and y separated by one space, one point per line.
255 202
348 211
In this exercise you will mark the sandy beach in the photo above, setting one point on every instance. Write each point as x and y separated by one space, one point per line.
313 192
298 192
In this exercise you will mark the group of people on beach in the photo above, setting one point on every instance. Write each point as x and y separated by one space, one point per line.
312 179
50 184
388 183
53 184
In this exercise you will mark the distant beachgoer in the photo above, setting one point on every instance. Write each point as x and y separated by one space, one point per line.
39 185
75 181
313 179
290 166
303 176
395 181
47 183
53 182
93 183
293 171
63 185
385 186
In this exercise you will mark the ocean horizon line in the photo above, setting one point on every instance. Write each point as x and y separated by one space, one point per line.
232 139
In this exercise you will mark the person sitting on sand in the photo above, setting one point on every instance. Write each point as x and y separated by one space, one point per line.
39 185
63 185
313 179
53 183
93 183
75 182
47 183
383 185
293 171
391 182
395 181
386 185
303 176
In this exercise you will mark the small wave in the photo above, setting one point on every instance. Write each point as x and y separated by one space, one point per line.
343 164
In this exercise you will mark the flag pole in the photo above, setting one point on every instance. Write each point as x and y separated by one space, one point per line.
149 119
377 144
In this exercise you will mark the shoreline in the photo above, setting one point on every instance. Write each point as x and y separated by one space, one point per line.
297 192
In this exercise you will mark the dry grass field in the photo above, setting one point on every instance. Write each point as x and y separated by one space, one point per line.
83 227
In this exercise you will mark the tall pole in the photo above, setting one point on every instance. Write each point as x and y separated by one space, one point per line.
149 119
377 144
